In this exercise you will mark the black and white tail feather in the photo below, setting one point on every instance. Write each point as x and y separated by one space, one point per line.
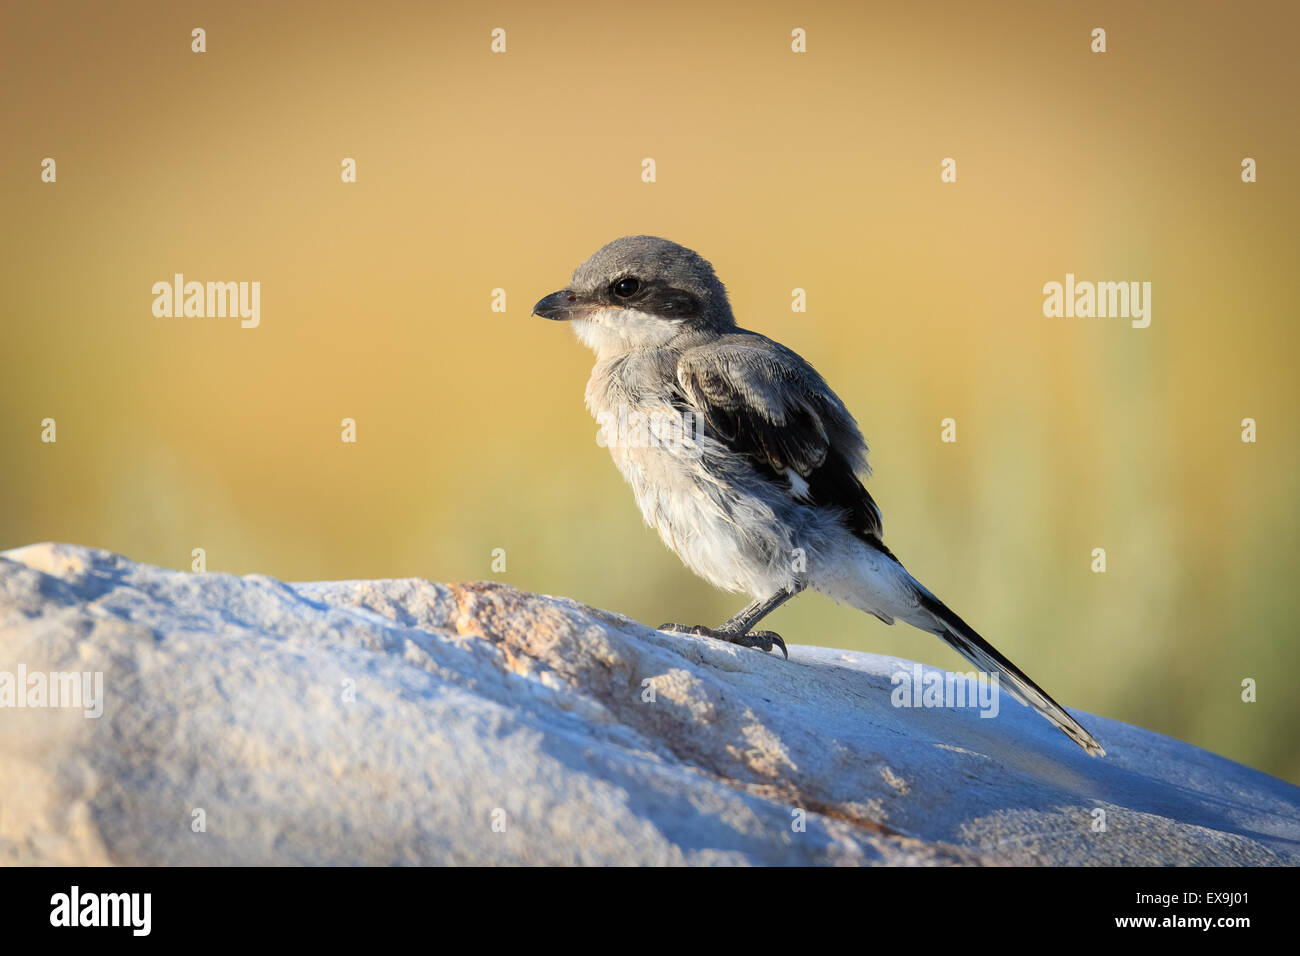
964 639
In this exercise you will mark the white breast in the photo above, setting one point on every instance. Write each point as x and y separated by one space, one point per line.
723 535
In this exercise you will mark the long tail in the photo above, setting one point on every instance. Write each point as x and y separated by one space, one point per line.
962 638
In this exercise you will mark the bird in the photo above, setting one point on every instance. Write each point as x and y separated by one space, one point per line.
743 459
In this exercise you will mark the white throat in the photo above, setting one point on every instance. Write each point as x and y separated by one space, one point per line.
609 332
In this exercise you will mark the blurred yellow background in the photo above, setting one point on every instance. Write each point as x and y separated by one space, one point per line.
821 171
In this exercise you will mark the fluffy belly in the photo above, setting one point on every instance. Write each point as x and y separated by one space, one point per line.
730 525
730 538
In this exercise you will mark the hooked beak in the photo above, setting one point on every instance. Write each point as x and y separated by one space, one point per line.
563 305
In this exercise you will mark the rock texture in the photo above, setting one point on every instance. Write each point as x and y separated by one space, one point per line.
248 721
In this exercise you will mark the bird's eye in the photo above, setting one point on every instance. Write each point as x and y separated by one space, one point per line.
624 288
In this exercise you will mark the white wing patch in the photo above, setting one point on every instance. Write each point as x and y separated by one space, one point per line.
798 486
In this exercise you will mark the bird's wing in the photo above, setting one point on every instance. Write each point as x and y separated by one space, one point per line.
762 400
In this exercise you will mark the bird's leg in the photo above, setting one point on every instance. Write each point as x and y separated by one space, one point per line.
737 630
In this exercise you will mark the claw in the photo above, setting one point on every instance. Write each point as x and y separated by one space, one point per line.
762 640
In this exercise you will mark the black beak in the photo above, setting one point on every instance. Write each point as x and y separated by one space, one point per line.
561 305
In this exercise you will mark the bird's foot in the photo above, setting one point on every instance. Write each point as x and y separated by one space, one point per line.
763 640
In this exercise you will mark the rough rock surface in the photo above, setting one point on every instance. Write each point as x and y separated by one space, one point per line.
248 721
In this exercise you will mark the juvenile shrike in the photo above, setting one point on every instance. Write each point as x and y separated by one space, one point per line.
766 498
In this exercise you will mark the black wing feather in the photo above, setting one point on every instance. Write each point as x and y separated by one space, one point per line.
765 402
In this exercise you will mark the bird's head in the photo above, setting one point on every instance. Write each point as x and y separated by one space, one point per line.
639 292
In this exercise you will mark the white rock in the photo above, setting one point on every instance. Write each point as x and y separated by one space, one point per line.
479 704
